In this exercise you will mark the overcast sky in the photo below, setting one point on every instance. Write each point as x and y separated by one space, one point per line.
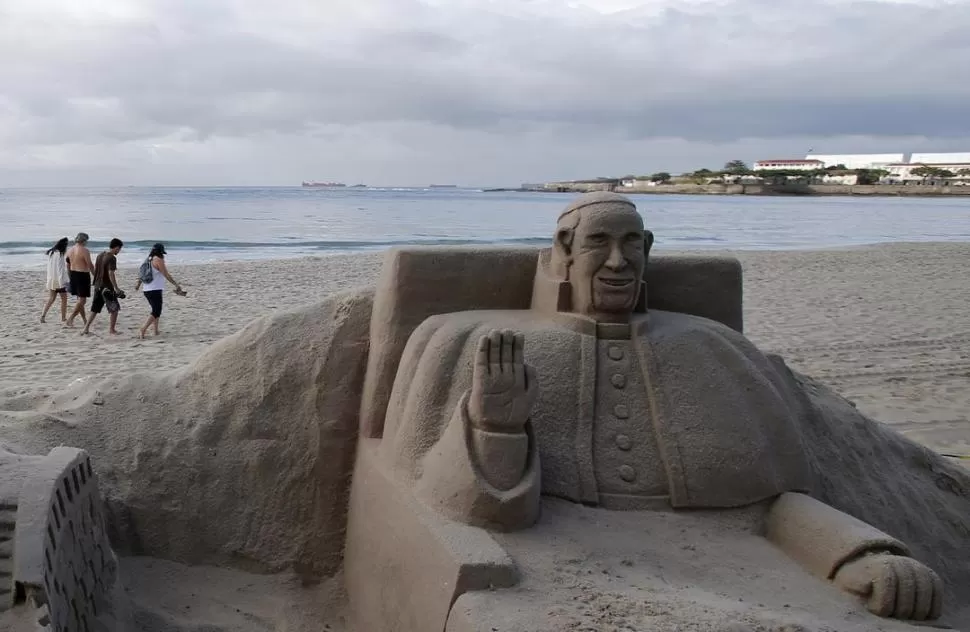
476 92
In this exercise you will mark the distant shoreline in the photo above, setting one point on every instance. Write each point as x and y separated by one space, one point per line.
810 190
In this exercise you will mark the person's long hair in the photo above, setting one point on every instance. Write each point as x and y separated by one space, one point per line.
60 246
157 251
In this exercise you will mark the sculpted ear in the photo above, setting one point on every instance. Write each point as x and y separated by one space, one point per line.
647 242
564 243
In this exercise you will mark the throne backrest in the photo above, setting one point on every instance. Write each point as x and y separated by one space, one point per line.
418 282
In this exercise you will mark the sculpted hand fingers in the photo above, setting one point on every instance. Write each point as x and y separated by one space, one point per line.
518 350
518 363
905 587
481 355
925 589
495 350
882 600
531 384
508 340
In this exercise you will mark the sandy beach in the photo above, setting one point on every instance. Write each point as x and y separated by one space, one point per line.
886 326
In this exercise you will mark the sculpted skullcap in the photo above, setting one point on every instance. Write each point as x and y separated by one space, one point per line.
596 198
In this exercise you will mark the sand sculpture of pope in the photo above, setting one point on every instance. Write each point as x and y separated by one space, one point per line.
589 398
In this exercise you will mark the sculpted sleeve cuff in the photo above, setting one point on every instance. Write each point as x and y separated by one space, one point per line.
822 538
453 481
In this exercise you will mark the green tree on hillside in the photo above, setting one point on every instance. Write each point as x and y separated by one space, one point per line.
736 167
661 177
926 172
701 175
870 176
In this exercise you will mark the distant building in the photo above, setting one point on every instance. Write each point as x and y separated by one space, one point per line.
858 161
638 182
790 164
849 179
900 170
956 158
903 172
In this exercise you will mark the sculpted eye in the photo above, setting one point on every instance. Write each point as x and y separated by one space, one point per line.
596 239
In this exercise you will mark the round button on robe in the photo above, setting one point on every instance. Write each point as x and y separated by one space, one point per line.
618 380
627 473
621 411
615 353
623 442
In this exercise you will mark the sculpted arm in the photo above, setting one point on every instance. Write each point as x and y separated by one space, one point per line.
484 470
857 557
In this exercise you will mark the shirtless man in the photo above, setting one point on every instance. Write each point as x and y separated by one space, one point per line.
80 267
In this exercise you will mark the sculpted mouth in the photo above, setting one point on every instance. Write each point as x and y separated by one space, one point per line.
615 282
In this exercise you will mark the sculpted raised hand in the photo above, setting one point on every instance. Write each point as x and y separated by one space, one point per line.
504 387
893 586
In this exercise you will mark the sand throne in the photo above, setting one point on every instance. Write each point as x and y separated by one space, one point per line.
405 564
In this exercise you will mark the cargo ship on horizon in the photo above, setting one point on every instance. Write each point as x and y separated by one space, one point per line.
328 185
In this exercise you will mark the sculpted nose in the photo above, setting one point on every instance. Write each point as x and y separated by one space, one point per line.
616 261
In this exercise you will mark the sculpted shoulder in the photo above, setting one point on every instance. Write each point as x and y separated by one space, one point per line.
672 326
465 324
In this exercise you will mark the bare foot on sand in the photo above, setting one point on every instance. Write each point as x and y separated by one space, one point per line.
114 333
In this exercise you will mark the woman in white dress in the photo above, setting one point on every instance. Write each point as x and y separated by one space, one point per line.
57 278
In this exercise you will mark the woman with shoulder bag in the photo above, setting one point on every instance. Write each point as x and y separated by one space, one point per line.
151 279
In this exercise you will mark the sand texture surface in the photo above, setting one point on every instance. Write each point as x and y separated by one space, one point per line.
691 572
887 326
209 455
240 458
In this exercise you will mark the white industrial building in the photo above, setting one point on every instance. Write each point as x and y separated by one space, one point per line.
788 163
955 158
899 167
858 161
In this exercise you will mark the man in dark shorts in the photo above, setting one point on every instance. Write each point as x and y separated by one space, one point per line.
106 290
79 268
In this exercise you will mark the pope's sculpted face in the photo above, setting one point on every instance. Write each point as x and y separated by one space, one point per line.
606 258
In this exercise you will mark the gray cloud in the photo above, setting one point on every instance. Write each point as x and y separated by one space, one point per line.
191 79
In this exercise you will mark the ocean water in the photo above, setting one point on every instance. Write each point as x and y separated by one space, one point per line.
217 224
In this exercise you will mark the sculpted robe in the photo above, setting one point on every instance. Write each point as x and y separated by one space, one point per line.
671 410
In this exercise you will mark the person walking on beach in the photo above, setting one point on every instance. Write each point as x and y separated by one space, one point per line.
79 268
106 290
151 278
57 278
